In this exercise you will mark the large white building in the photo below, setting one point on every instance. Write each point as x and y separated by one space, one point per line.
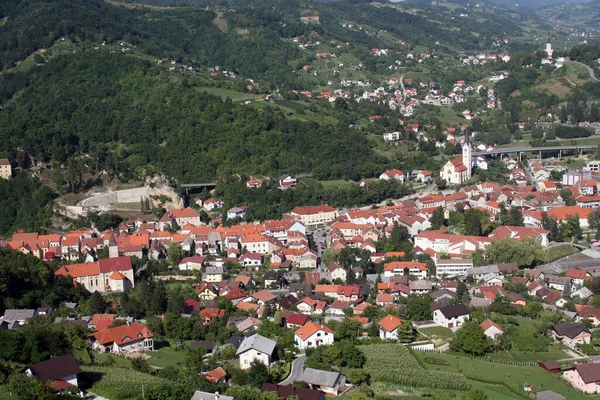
451 268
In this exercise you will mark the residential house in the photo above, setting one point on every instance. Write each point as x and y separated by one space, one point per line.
405 268
312 335
198 395
570 335
584 377
315 215
421 286
251 259
286 392
558 282
207 291
56 373
491 329
123 339
5 168
329 382
388 327
213 274
191 263
18 317
393 174
255 348
484 274
216 376
451 317
337 272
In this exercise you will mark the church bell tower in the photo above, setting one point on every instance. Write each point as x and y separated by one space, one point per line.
466 154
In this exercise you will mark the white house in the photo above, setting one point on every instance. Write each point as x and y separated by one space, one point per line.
190 263
491 329
311 335
58 372
124 339
388 327
251 259
255 348
392 174
483 274
451 317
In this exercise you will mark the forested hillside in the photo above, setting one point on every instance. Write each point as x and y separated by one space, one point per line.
75 104
111 108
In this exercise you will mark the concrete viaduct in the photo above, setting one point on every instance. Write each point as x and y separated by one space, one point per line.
522 150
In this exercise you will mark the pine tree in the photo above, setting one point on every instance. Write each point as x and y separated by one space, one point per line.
567 290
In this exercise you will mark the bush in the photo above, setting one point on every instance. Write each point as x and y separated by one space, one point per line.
358 376
140 364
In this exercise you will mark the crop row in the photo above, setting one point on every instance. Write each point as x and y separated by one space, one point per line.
394 363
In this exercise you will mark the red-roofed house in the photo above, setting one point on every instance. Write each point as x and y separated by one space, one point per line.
124 339
393 174
520 233
312 335
388 327
491 329
405 268
315 215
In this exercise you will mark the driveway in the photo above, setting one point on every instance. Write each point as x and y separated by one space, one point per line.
296 372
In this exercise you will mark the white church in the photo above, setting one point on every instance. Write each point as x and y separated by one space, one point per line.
458 170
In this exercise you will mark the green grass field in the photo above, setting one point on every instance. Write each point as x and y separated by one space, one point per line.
232 94
513 375
165 356
118 361
560 251
439 331
335 183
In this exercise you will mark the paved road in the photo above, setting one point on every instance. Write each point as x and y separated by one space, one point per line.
591 71
296 372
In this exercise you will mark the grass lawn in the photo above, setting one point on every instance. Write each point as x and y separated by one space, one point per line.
514 376
559 252
5 394
553 353
438 331
165 356
335 183
118 361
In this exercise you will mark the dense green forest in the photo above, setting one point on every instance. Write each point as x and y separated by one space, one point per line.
76 103
28 282
24 204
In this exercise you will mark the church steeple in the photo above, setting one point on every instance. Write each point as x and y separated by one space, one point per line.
549 50
466 153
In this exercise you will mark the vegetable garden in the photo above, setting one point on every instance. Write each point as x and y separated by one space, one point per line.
394 363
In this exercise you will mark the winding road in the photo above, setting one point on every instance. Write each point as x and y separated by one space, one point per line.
590 70
296 372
